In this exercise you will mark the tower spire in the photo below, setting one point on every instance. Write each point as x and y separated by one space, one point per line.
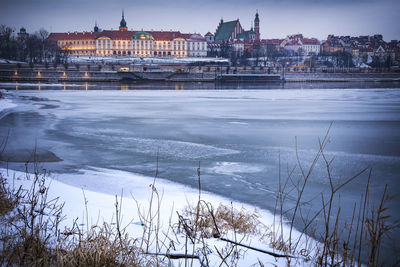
122 24
257 26
96 28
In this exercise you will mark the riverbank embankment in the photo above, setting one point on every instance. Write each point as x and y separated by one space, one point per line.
14 73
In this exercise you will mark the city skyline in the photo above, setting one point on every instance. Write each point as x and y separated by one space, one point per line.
278 19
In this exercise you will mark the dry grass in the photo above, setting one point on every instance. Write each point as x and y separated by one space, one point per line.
30 234
7 202
223 219
364 233
28 228
102 247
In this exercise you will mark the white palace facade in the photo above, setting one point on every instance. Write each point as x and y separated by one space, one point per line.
129 43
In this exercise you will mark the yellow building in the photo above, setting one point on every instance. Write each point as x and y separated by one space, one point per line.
76 43
143 44
123 42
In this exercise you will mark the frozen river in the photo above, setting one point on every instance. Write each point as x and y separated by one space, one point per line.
240 137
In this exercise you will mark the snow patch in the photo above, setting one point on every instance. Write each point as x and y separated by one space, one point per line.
136 191
6 104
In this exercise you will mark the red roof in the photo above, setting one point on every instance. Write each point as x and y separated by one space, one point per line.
116 35
165 35
123 35
72 36
312 41
186 35
272 41
209 34
293 42
194 37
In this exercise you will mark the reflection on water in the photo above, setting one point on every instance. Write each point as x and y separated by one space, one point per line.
179 86
192 85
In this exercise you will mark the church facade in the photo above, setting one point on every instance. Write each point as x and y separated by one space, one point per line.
232 30
232 34
130 43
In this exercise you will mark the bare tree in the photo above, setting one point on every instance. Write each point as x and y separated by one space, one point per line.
43 35
8 44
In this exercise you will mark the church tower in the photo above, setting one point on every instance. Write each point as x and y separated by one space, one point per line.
122 24
257 27
96 28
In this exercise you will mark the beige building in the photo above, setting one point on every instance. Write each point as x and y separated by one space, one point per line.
123 42
104 46
196 45
169 44
76 43
143 43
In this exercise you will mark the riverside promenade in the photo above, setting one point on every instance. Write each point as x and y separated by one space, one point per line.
97 73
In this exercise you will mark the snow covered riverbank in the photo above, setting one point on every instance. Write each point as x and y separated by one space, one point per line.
95 208
6 104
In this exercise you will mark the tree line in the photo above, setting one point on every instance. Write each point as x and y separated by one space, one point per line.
31 48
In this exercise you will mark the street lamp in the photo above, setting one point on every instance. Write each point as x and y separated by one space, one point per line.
283 68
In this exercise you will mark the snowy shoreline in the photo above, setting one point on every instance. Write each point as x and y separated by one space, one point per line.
135 191
6 104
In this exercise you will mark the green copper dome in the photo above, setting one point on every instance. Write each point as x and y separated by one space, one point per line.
142 35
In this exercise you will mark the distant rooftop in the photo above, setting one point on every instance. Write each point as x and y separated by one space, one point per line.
225 30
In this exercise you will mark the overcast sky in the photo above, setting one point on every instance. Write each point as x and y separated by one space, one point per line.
278 18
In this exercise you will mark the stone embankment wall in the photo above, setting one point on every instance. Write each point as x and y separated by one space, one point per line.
95 72
39 75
